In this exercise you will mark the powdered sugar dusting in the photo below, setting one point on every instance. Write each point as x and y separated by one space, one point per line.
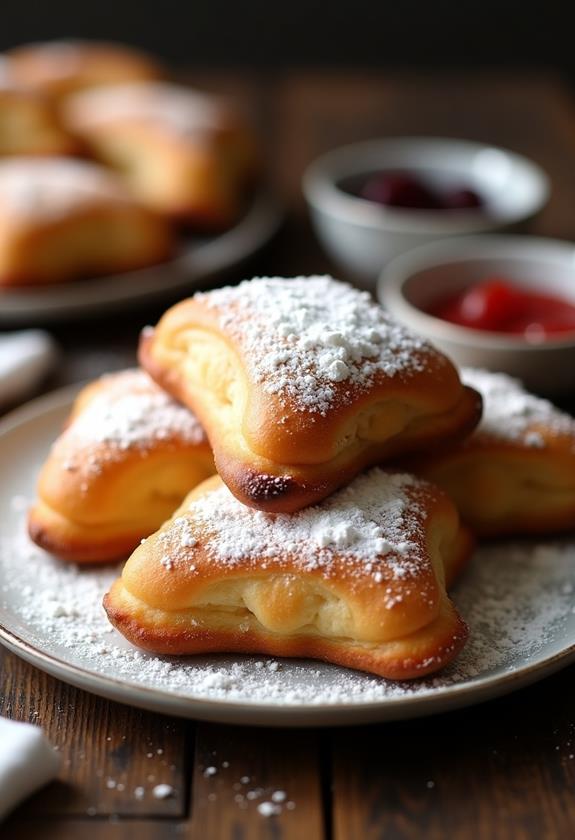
179 110
511 413
6 82
52 188
59 59
517 598
304 337
378 520
130 411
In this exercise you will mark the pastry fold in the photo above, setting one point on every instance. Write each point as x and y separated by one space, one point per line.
515 475
358 580
183 153
127 458
302 383
62 219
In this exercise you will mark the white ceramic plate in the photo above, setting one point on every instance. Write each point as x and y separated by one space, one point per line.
198 260
518 600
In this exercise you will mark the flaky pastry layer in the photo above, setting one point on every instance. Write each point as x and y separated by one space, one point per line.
222 577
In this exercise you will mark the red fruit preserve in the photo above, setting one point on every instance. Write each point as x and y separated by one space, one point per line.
410 191
497 305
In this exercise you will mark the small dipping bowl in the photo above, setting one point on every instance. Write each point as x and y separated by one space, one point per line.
411 284
361 236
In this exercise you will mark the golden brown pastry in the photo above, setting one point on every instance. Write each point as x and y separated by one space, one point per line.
184 153
62 219
126 460
302 383
58 68
357 580
29 125
516 473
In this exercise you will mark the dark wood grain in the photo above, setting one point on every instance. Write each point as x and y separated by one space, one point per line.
529 114
94 829
503 770
108 750
240 772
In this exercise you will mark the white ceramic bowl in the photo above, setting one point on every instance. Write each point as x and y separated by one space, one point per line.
411 283
362 236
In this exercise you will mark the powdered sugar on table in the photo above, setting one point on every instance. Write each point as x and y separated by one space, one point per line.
304 336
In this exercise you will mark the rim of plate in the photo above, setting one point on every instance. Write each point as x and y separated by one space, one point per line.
263 713
197 262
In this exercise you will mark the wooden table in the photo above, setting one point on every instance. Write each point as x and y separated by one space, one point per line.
502 770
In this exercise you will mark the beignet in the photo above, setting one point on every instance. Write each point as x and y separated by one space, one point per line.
29 125
62 219
58 68
124 463
182 152
516 473
302 383
357 580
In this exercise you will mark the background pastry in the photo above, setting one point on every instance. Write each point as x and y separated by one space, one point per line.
516 473
182 152
125 461
30 125
61 219
357 580
302 383
58 68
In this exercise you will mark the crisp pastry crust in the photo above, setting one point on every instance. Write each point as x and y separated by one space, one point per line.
30 125
62 219
516 473
301 384
184 153
127 458
58 68
357 580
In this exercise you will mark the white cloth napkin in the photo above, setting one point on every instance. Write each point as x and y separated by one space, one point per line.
27 762
25 359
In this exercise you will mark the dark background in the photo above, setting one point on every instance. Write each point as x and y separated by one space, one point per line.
284 33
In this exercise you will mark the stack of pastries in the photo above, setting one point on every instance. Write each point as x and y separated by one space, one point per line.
352 467
176 156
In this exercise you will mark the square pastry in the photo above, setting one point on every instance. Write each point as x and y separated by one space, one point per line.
358 580
128 456
63 219
515 474
302 383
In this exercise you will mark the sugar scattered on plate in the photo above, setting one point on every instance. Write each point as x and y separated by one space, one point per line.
517 598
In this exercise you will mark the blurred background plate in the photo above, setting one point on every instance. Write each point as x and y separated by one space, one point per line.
200 260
